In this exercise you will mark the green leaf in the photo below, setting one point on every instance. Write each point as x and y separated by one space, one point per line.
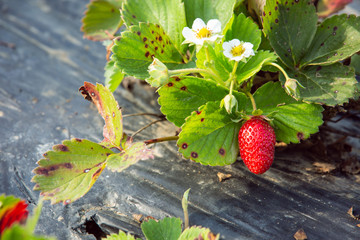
355 63
246 70
209 9
169 14
120 236
108 109
134 51
100 17
113 76
68 172
209 136
244 29
292 120
212 59
331 85
131 154
165 229
222 66
17 232
183 95
198 233
336 39
290 26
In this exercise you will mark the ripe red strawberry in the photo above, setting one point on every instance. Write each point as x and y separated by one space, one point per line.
257 144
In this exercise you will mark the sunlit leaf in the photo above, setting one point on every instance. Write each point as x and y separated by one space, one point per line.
113 76
290 26
101 19
164 229
134 51
198 233
131 154
244 29
209 136
183 95
292 120
120 236
69 170
108 109
209 9
222 66
169 14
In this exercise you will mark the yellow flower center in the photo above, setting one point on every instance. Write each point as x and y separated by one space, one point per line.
203 33
238 50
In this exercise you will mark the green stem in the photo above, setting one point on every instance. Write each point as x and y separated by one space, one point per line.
234 69
195 70
207 54
251 99
232 76
163 139
231 87
280 68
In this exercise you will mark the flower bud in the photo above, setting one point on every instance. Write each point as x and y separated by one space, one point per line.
229 102
158 73
291 87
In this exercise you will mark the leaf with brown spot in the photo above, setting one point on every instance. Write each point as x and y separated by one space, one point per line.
133 55
212 141
336 39
169 15
101 19
110 111
177 104
65 176
131 154
197 232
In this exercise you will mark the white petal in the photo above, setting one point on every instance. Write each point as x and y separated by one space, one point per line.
235 42
189 35
199 41
228 54
187 32
238 58
214 37
198 24
248 53
248 45
227 46
214 25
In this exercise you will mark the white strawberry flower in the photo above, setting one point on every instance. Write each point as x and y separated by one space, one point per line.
201 32
238 50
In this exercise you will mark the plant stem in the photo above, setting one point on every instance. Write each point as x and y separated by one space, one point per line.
143 128
144 114
231 87
280 68
251 99
234 69
232 76
163 139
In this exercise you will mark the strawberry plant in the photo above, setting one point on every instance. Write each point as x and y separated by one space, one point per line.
218 67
